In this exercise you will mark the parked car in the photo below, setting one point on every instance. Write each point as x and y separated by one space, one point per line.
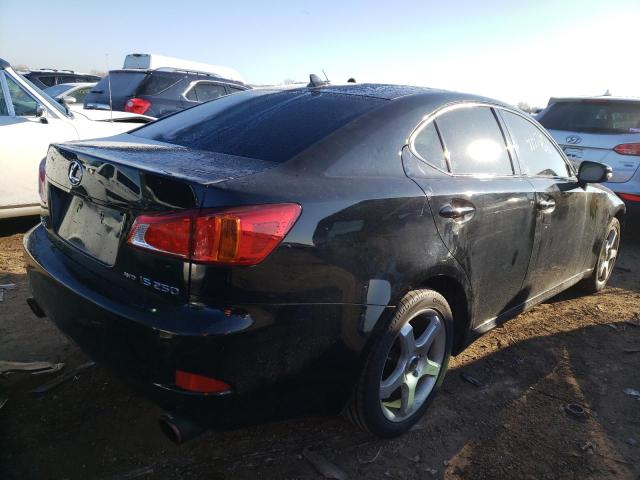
602 129
314 249
70 94
157 86
48 77
29 121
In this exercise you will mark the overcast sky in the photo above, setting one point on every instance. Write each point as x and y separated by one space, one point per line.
510 50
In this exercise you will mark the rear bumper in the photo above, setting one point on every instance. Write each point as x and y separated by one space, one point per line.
279 359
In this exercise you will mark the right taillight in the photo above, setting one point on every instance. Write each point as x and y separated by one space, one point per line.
629 197
627 149
234 236
137 105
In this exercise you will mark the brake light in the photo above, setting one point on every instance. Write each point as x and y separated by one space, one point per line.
42 181
629 197
234 236
199 383
627 149
137 105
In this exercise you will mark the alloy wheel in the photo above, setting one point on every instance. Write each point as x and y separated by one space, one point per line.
608 255
413 365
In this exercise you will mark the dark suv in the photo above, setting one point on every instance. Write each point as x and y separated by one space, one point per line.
158 92
46 77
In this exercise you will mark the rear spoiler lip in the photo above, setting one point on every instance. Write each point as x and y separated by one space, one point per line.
194 166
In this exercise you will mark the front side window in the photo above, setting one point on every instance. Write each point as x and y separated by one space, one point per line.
537 155
428 146
203 92
24 105
474 142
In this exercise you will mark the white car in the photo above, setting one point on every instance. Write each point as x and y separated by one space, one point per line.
30 120
71 94
602 129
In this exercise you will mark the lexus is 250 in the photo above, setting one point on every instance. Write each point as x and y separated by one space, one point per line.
319 249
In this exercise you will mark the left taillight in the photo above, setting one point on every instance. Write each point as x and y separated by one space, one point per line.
627 149
42 181
235 236
137 105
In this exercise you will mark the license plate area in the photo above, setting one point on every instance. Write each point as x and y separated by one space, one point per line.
91 228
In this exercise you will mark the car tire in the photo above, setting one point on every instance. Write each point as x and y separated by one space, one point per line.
603 268
413 353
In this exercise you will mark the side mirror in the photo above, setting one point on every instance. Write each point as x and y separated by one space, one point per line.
594 172
68 100
41 113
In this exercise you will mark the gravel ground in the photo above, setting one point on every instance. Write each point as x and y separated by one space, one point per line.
574 348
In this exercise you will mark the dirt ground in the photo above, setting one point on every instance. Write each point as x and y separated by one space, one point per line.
574 348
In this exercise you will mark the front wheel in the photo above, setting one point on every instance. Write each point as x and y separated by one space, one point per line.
405 367
606 259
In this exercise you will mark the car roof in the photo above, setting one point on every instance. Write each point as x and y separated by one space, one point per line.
603 98
203 76
4 64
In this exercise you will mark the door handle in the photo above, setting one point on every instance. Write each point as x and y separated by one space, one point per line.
547 204
449 211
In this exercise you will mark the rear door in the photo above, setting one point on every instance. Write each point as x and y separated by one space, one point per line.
567 212
483 209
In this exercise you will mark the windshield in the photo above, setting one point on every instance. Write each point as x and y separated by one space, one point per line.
57 89
53 103
593 116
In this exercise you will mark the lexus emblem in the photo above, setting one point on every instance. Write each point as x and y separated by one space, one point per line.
75 172
573 139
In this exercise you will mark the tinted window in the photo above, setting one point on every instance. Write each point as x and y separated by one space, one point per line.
122 83
427 144
260 123
595 116
48 81
231 89
158 82
474 142
80 93
56 89
203 92
537 155
24 104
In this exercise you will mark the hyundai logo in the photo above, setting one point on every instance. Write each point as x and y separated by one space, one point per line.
573 139
75 172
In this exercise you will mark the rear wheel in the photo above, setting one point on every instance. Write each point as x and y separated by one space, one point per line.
606 259
405 367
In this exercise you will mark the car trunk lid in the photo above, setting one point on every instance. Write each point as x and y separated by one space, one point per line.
97 188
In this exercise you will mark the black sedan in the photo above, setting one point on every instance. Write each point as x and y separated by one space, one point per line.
275 253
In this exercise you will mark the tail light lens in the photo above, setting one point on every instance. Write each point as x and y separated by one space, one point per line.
235 236
137 105
193 382
42 181
627 149
629 197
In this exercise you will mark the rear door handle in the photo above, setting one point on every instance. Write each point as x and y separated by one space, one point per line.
449 211
547 205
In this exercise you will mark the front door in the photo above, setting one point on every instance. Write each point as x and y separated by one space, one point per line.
565 220
24 140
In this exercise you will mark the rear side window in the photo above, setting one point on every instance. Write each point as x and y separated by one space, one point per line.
260 124
537 155
203 92
48 81
593 116
475 142
158 82
427 144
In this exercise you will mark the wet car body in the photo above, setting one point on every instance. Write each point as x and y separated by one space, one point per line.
291 333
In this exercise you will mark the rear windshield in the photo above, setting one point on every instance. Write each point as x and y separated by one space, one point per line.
122 83
158 82
593 116
57 89
260 124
